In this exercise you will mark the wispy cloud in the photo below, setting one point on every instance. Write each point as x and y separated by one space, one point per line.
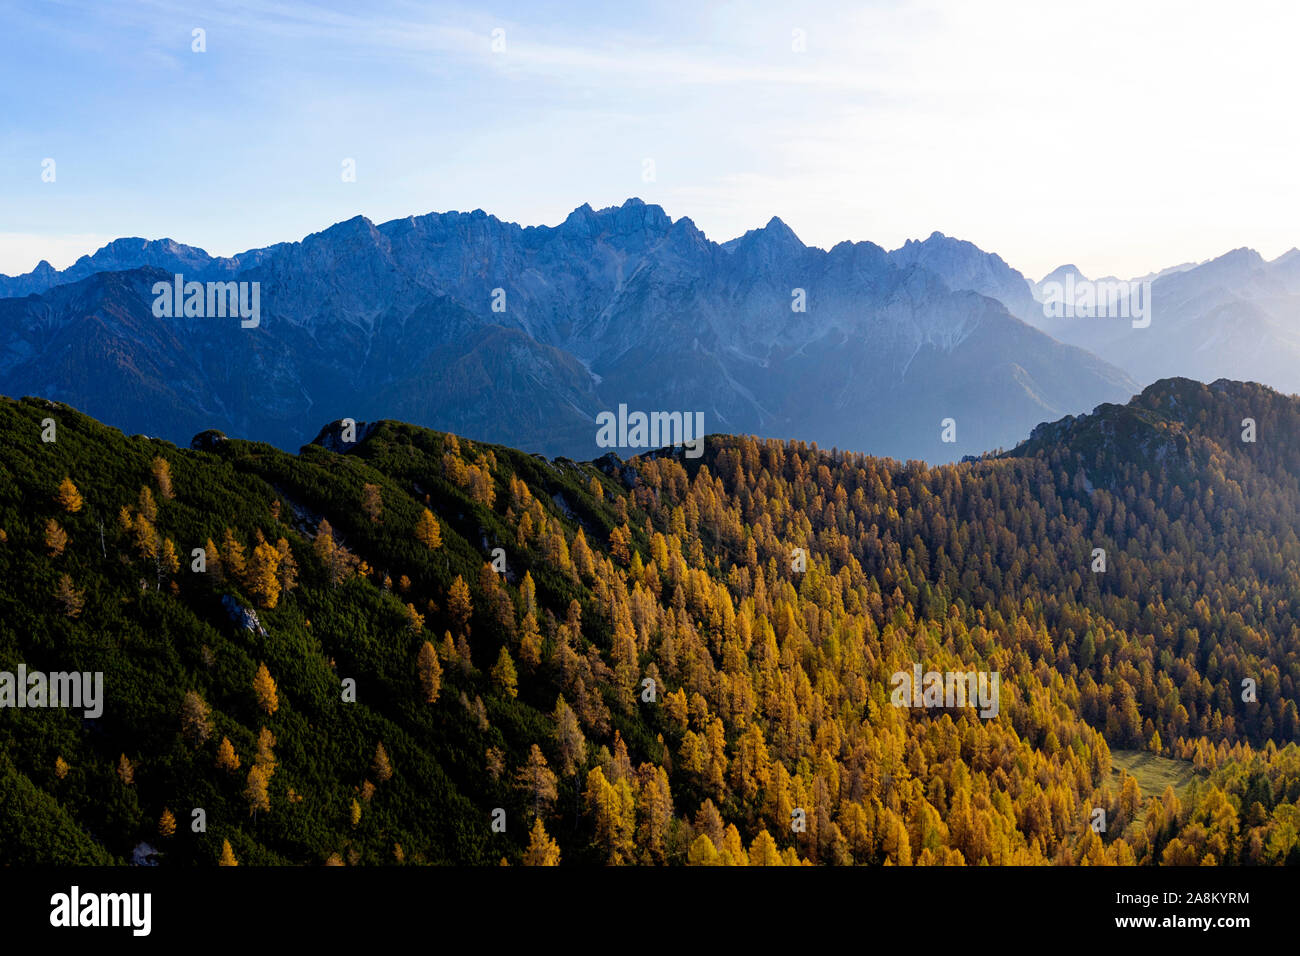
1122 139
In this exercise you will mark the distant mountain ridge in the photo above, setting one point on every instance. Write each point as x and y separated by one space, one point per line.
1236 316
130 253
522 335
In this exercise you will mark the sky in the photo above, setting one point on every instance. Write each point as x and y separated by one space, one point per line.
1122 137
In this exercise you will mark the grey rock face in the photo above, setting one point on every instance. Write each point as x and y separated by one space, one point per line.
462 322
241 616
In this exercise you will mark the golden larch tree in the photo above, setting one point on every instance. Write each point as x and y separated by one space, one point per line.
227 855
288 567
542 850
337 560
618 545
146 506
162 476
257 792
383 769
146 538
427 530
703 852
265 753
537 782
171 563
68 497
612 810
69 598
262 576
528 593
568 737
763 851
227 759
56 539
196 719
430 672
459 605
264 689
530 642
504 674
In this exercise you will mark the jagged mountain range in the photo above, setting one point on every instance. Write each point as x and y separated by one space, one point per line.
622 305
1236 316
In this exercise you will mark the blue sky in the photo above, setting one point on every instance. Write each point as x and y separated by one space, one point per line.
1120 136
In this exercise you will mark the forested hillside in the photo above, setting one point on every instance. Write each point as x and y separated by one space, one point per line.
671 657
